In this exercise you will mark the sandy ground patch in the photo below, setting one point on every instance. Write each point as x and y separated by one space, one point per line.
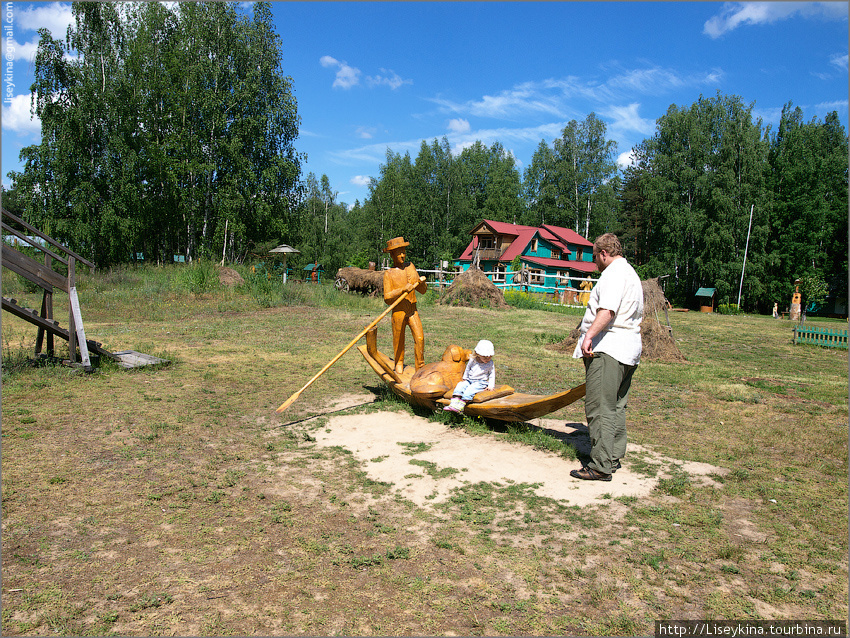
385 442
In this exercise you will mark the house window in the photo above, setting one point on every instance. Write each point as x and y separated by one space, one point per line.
535 276
556 254
534 245
487 242
499 272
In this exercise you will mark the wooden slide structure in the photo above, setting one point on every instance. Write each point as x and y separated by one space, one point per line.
43 276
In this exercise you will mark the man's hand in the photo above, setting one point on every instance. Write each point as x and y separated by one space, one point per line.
600 323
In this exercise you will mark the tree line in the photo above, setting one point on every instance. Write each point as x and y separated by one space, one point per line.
172 131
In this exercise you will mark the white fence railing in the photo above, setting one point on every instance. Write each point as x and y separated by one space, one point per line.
446 277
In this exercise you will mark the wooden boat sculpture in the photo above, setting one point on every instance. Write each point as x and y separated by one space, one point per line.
431 386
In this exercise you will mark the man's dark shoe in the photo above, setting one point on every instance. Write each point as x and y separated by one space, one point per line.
616 465
589 474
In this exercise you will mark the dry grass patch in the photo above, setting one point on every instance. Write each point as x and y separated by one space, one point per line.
174 500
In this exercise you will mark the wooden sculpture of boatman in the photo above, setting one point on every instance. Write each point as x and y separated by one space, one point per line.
405 314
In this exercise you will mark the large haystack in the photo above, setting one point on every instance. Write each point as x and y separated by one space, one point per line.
472 288
368 282
658 342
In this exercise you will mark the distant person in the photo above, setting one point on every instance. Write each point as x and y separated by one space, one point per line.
586 286
775 310
480 374
405 314
610 346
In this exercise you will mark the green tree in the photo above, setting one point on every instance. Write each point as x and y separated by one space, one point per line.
170 131
700 176
808 162
574 184
540 189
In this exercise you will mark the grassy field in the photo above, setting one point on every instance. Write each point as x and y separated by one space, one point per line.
174 501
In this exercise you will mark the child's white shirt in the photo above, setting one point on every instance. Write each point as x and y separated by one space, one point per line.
478 371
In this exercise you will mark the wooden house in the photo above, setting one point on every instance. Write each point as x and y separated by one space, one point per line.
554 257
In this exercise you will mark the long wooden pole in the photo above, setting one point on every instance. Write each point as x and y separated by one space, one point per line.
295 396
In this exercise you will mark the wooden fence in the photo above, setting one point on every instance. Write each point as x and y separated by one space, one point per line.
827 337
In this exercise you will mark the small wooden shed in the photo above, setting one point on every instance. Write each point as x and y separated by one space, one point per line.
706 297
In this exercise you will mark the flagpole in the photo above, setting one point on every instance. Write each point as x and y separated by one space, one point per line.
745 255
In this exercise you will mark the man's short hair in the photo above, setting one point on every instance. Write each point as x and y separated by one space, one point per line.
609 243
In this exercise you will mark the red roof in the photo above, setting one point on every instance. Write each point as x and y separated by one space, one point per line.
582 266
567 235
555 235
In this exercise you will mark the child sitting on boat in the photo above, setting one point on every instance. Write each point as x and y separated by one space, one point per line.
480 374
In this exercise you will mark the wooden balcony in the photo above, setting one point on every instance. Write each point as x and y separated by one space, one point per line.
489 253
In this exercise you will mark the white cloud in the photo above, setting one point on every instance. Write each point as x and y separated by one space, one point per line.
511 103
346 76
459 125
390 79
25 52
839 60
828 107
360 180
559 97
366 132
16 117
624 160
55 16
735 14
655 81
626 118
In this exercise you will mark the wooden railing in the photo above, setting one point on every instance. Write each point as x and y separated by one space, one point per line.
43 276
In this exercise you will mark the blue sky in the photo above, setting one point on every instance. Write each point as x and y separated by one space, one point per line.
373 76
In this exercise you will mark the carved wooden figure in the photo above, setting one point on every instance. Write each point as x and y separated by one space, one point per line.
435 380
405 314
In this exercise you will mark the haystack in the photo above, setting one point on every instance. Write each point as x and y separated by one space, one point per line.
367 282
229 277
658 342
472 288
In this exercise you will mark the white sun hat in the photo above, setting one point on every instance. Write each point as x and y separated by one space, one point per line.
485 348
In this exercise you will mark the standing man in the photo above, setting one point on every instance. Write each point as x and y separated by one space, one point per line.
610 346
405 314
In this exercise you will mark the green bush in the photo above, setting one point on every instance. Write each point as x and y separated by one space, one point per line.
199 277
728 309
527 301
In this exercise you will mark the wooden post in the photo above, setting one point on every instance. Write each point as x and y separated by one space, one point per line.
72 326
47 313
76 331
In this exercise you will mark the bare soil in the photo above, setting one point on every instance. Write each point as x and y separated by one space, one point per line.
377 440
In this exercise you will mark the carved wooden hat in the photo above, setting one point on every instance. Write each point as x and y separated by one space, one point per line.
393 244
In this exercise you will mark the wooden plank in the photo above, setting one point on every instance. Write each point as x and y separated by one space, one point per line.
49 240
50 325
30 269
23 237
133 359
79 329
27 314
